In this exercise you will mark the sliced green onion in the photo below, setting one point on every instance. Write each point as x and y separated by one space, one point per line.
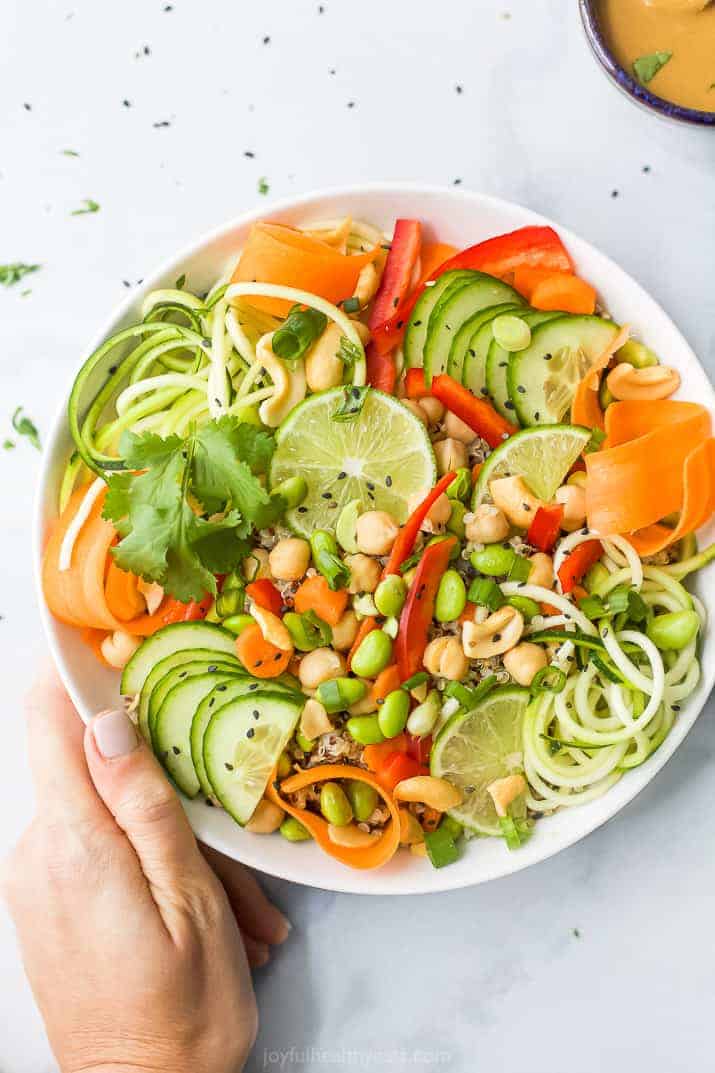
470 698
441 847
352 403
514 832
548 680
519 569
327 561
593 607
486 593
351 305
307 631
416 680
298 332
511 333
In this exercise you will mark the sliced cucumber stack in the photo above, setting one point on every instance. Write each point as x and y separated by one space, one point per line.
542 379
474 373
172 729
456 306
242 744
169 662
416 330
180 672
171 639
497 365
462 340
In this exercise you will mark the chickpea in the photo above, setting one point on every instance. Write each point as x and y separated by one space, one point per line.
573 499
289 559
256 566
542 570
364 573
524 661
450 454
433 408
437 516
345 631
444 658
487 525
376 531
118 648
458 429
415 407
323 367
319 666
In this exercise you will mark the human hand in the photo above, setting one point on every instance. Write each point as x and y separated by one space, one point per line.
130 942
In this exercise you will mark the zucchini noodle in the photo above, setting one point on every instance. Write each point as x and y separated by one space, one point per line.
546 596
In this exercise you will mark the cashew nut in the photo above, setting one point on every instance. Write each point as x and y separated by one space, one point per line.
450 454
367 283
351 836
572 497
267 818
152 592
323 367
289 385
314 720
497 634
653 382
430 790
458 429
504 791
118 648
443 657
410 828
433 408
514 499
272 628
542 570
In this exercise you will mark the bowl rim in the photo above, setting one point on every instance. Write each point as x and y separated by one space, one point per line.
628 85
512 862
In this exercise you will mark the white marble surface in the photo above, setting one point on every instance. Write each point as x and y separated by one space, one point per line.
596 960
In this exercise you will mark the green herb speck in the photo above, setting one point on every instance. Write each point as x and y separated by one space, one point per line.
10 274
646 67
25 427
263 186
69 152
89 206
9 445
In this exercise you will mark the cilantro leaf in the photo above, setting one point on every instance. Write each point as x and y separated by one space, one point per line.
10 274
647 67
219 476
25 427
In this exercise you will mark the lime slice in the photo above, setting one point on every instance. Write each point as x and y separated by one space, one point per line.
542 456
475 748
380 458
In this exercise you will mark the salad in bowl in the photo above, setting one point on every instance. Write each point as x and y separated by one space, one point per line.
385 539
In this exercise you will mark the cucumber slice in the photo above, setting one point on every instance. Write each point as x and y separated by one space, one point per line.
498 363
543 378
455 307
221 695
172 730
460 343
170 639
242 744
542 456
180 673
416 331
157 672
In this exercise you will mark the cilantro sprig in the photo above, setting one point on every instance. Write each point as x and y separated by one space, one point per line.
185 507
13 273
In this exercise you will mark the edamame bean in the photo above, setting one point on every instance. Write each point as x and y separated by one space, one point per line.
605 396
676 629
346 527
334 804
636 354
525 606
456 520
461 486
409 576
493 560
365 729
363 799
390 595
451 597
373 655
294 830
232 581
284 765
230 602
422 720
304 743
237 623
392 716
307 631
293 490
511 332
338 694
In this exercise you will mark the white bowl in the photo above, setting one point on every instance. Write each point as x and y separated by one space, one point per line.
461 218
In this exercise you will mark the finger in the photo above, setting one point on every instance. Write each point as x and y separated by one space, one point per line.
257 953
143 803
254 913
59 768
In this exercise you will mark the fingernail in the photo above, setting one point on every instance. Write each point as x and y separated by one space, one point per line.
114 734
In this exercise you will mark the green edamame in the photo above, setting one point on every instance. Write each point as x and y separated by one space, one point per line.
451 597
373 655
293 490
338 694
346 527
284 765
461 486
294 830
456 524
636 354
365 729
306 744
334 804
525 605
676 629
422 720
493 560
390 595
307 631
231 602
363 799
409 576
237 623
392 716
605 396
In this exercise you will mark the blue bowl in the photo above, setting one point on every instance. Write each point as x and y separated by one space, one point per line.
625 81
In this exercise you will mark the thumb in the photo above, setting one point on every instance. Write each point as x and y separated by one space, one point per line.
137 793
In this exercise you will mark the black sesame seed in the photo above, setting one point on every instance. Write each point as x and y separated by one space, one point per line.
258 663
521 389
229 767
496 638
249 153
509 405
503 364
302 510
342 475
548 357
209 802
112 370
212 701
253 686
395 302
585 531
183 674
388 481
536 416
278 656
326 495
614 193
256 714
212 668
355 392
417 323
250 732
471 352
221 689
371 486
400 324
526 507
175 750
676 707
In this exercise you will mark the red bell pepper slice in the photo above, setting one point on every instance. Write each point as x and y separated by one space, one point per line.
419 748
578 563
477 413
381 372
539 247
376 756
546 526
406 538
264 593
398 767
415 387
399 266
416 617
